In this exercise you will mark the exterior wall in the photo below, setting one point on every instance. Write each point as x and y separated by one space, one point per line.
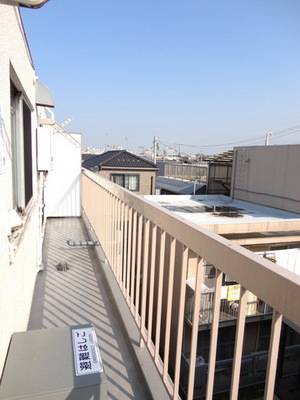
63 184
147 186
267 175
19 257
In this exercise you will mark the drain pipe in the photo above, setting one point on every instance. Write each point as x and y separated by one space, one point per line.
41 206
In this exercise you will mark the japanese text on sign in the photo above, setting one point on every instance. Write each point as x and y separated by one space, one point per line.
86 352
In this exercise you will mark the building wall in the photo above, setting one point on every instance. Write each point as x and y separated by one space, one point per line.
63 184
20 256
267 175
147 179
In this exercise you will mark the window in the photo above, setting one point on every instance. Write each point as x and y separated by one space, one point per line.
21 150
128 181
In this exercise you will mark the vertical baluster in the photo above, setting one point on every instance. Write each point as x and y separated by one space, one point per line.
238 346
169 308
160 295
151 283
181 294
273 355
144 282
214 336
195 318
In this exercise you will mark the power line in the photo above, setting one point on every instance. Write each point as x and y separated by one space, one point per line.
256 140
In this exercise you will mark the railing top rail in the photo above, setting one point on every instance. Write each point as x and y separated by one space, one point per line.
273 284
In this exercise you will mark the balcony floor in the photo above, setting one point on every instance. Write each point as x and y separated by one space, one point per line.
80 295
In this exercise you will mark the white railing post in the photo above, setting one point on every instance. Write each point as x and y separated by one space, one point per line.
238 348
214 336
195 319
273 355
181 295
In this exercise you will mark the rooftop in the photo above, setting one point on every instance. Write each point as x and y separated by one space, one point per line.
219 212
219 209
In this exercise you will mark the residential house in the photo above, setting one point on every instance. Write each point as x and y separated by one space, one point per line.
125 169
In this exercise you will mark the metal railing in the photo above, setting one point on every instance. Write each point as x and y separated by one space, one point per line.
151 251
228 309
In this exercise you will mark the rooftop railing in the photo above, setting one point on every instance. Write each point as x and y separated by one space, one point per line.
152 252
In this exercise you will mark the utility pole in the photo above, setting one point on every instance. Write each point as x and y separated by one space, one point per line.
267 138
154 149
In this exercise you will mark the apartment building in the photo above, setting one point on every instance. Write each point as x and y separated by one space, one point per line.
148 251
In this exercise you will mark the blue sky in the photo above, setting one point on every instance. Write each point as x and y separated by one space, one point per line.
207 74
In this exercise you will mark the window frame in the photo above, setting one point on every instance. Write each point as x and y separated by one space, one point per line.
21 150
125 175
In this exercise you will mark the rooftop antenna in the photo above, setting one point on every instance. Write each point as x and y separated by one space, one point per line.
155 146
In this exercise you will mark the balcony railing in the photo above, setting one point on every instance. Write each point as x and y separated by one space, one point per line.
228 309
152 251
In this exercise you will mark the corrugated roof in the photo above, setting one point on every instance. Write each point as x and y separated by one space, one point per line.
225 157
117 159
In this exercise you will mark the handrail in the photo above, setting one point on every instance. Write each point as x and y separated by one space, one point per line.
150 251
271 283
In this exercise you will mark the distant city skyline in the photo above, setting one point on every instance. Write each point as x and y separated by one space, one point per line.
205 75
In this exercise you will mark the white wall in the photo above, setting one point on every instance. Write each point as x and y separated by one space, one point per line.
17 276
267 175
63 184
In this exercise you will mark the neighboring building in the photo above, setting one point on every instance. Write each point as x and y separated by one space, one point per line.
126 169
180 170
166 185
263 230
219 173
267 175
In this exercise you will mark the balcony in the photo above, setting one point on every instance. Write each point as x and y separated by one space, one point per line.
145 255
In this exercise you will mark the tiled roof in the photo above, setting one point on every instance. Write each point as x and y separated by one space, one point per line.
117 159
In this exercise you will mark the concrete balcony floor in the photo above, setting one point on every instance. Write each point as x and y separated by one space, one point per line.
81 295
